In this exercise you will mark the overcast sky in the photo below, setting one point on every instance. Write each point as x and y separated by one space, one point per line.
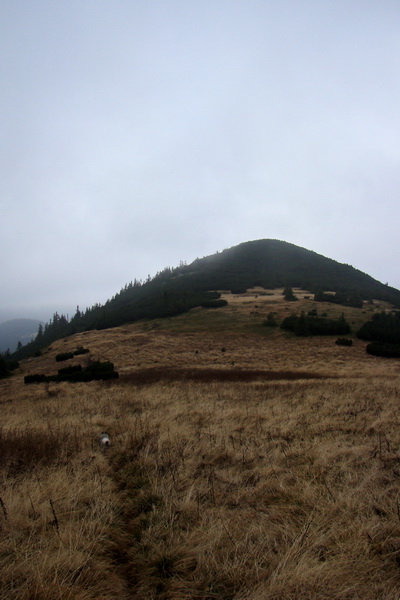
136 134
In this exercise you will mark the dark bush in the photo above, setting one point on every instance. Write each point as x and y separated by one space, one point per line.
4 368
304 325
7 365
270 321
344 342
352 300
70 369
214 303
385 350
96 371
64 356
289 295
81 350
35 378
383 327
101 370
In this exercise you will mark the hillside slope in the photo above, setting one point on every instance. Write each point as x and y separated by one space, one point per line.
232 338
274 263
266 263
281 483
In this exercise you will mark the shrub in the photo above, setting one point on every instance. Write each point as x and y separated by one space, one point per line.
304 325
4 369
214 303
344 342
385 350
36 378
64 356
70 369
270 321
7 365
288 295
81 350
101 370
345 299
383 327
96 371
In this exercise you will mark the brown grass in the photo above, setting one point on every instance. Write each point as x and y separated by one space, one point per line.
247 481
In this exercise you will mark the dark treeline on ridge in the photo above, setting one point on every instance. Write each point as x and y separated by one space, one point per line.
266 263
159 297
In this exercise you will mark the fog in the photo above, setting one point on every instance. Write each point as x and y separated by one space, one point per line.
136 135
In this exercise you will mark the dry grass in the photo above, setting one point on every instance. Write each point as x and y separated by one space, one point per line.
218 485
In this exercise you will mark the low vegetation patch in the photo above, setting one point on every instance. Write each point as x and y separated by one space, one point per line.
64 356
95 371
271 320
385 350
7 365
289 295
382 327
214 303
383 330
340 298
304 325
344 342
81 350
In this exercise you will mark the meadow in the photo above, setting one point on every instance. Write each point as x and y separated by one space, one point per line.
246 464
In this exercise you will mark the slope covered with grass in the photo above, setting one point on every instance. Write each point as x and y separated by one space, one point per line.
281 483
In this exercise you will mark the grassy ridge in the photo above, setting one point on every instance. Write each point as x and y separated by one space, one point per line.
222 482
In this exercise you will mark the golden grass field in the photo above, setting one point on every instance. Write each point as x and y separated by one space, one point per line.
246 464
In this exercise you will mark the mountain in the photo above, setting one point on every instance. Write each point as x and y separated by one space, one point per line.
273 263
17 330
266 263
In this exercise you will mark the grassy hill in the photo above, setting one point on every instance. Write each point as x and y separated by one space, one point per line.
246 463
266 263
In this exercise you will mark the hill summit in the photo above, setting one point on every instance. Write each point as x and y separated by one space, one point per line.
265 263
274 263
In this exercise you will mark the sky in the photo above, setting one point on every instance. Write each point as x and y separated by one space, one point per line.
136 134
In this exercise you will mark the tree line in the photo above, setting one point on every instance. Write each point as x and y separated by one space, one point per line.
159 297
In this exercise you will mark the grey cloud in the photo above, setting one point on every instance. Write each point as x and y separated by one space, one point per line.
136 135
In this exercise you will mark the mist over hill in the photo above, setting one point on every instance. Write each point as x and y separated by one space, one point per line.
175 290
17 330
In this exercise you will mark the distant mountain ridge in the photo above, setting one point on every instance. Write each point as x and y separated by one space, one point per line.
17 330
266 263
